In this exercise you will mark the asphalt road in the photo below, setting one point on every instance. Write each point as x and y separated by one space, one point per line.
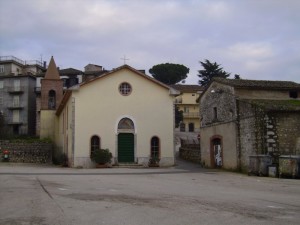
186 194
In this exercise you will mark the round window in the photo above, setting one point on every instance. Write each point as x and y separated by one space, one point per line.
125 88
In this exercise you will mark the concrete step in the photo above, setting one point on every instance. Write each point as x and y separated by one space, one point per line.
128 165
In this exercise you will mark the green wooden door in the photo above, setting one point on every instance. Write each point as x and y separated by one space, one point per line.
125 147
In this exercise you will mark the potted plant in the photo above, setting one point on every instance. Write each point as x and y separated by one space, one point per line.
154 161
102 158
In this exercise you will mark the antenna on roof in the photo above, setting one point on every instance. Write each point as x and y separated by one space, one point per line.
124 58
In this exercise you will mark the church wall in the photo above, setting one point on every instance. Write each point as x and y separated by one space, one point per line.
99 107
47 128
64 130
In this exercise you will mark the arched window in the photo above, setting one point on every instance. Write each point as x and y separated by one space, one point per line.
126 125
52 99
95 144
155 148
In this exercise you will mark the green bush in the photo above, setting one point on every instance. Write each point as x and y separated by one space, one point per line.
101 156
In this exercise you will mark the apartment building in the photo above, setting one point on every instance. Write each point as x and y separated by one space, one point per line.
17 97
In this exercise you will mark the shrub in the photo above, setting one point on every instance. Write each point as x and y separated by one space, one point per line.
101 156
153 161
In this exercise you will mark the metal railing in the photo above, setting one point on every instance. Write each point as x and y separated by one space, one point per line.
191 114
16 89
28 62
37 89
178 100
34 62
10 57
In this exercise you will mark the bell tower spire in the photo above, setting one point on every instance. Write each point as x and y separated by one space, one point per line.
52 72
51 96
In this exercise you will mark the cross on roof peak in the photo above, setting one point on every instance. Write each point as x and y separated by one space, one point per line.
124 58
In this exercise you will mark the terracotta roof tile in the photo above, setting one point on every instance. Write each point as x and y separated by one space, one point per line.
258 84
187 87
70 71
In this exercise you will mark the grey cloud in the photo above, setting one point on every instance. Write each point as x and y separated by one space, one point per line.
255 38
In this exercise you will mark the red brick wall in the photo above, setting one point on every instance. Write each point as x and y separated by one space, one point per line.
48 85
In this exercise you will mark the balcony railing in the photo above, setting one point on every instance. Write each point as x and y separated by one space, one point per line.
28 62
16 89
191 114
178 100
34 62
15 106
15 123
37 90
11 58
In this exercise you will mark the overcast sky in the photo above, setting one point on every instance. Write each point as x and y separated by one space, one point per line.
258 39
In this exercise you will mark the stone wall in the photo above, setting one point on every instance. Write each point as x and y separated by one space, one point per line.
217 106
267 132
37 152
286 134
190 153
251 132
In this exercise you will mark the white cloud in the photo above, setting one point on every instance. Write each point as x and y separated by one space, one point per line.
257 51
247 37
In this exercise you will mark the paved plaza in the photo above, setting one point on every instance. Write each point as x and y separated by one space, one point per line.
185 194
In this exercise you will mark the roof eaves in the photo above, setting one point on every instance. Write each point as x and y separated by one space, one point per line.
131 69
63 102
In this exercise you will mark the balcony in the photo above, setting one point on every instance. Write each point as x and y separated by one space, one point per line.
15 106
21 62
34 62
37 90
15 123
11 58
16 90
190 114
178 101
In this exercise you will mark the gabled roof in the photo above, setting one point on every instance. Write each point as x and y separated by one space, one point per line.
96 73
258 84
70 71
69 91
90 64
131 69
187 88
52 72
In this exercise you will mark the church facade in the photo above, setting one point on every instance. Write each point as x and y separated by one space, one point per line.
124 110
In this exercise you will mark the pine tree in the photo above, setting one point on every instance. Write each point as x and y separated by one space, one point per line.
210 70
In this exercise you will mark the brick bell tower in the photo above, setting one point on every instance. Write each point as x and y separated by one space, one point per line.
51 96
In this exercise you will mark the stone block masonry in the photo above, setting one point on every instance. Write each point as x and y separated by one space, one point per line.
23 152
190 153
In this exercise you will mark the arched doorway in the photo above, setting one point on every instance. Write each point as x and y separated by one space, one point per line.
216 152
126 141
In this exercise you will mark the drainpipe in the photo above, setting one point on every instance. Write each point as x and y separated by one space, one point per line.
73 129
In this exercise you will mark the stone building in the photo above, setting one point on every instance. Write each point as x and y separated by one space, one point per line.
92 71
240 118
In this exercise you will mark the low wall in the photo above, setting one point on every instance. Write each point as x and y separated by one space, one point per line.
36 152
190 153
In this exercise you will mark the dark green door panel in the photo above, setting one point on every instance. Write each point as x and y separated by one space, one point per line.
125 147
